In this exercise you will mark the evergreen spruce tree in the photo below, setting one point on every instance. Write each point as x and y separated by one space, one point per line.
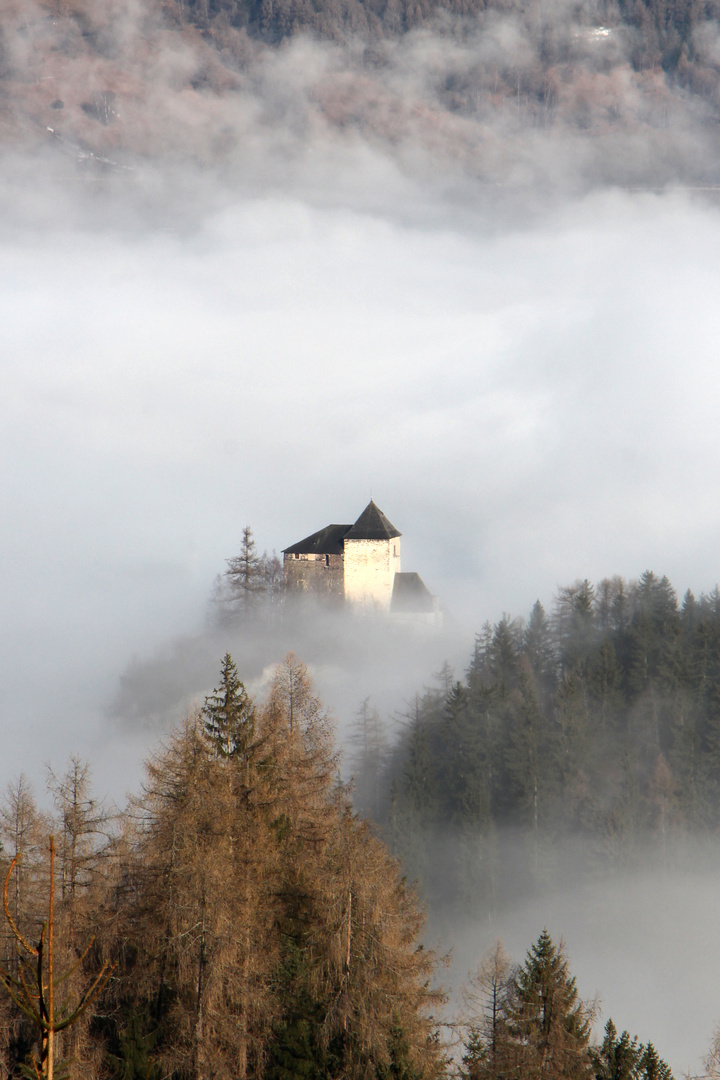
474 1059
479 675
538 647
604 683
415 804
504 652
548 1026
617 1057
610 596
654 635
529 764
463 772
575 625
652 1067
464 777
229 714
621 1058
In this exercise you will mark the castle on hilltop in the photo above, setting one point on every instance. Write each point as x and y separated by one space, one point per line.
359 565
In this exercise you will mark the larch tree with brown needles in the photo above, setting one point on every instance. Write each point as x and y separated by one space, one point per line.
35 990
275 935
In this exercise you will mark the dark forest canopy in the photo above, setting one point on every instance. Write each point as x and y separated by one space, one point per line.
672 38
598 722
663 33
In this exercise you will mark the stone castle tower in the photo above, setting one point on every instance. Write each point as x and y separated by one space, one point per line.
357 565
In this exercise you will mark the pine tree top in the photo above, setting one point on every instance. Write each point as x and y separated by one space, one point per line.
229 714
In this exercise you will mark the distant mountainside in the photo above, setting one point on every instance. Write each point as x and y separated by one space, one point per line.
624 92
664 32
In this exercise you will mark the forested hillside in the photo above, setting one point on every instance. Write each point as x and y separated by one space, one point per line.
496 92
589 737
239 921
659 33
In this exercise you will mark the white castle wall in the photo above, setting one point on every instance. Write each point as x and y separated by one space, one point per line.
369 569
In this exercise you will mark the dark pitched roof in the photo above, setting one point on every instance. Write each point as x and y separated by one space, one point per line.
410 594
328 541
372 525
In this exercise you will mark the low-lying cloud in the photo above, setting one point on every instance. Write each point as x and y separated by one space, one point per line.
642 944
527 404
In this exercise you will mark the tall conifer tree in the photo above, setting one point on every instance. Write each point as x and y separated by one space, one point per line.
548 1025
229 713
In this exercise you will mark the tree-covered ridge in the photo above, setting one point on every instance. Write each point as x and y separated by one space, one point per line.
662 33
600 720
472 84
240 922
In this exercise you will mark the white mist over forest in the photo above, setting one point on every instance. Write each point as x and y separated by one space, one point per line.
512 348
528 404
643 945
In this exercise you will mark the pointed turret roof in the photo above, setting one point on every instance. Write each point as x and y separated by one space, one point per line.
372 525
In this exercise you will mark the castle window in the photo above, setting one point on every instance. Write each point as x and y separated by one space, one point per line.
327 560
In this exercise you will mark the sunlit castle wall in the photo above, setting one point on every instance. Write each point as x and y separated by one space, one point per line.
369 570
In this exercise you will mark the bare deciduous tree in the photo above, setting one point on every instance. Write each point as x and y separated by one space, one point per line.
34 989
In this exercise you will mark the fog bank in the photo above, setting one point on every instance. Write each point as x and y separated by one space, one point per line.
643 943
528 405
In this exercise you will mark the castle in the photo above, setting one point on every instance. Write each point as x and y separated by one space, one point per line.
359 565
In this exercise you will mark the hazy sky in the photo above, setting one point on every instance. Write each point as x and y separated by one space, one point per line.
529 394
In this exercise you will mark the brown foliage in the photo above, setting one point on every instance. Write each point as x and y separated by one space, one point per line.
237 856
